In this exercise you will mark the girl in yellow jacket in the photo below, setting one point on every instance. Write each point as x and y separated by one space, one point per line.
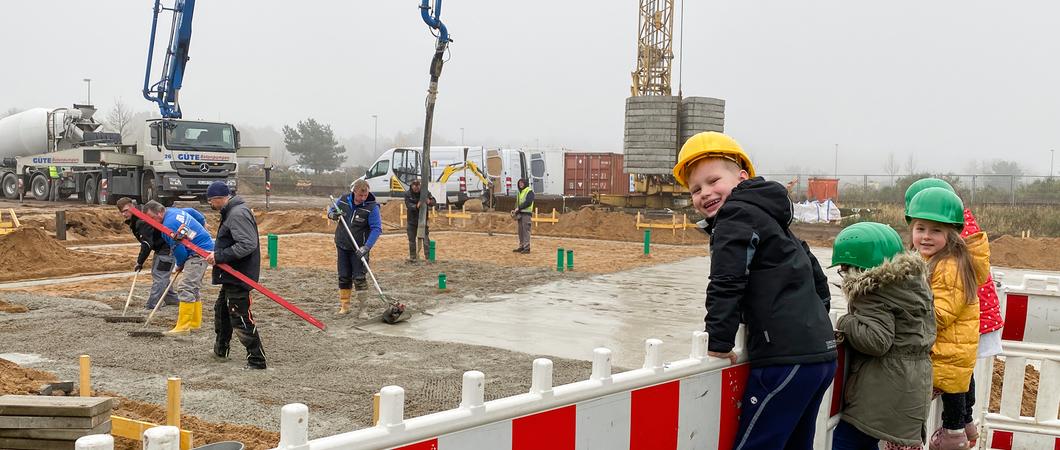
956 268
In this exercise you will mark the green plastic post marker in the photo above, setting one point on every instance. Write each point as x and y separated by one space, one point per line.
430 251
647 241
441 281
570 260
559 259
273 250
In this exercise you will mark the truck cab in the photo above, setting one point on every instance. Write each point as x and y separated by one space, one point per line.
182 157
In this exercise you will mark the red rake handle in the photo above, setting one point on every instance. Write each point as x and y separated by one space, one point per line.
225 267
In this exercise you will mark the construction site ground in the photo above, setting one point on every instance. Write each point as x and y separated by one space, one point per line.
52 309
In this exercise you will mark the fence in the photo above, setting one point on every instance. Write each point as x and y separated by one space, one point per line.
973 188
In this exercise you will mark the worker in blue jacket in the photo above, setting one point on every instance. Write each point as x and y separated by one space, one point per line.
185 224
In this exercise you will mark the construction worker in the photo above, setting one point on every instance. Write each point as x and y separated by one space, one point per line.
237 245
523 213
190 266
763 275
412 205
359 211
150 240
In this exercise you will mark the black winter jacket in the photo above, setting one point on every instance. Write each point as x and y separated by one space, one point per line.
412 200
150 239
237 244
764 276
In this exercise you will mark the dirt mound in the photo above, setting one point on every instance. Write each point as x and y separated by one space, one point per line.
202 432
1031 253
390 212
30 253
85 224
12 308
18 380
293 221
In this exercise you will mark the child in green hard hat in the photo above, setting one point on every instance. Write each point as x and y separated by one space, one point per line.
889 330
956 268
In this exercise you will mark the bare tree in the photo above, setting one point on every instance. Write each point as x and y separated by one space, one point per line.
910 163
891 165
119 118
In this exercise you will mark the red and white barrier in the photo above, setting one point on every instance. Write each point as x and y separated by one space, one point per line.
1032 310
688 404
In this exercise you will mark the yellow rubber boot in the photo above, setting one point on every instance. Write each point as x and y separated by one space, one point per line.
344 301
196 320
185 315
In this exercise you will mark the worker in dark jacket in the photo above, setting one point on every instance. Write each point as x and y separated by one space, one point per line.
359 211
764 276
150 241
412 205
236 245
523 213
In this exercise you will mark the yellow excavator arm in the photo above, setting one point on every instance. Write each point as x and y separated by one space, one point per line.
468 165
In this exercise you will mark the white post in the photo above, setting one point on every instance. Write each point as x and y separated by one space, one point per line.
541 379
1012 386
95 442
391 407
294 427
601 364
652 358
162 438
1048 400
473 394
699 345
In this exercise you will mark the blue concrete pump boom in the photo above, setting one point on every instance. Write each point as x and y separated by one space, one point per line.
165 91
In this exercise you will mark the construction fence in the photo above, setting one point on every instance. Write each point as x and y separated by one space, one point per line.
974 189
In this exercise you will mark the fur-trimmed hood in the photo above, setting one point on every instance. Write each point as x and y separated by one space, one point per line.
894 271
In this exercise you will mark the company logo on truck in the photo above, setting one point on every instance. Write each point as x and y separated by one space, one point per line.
49 160
198 157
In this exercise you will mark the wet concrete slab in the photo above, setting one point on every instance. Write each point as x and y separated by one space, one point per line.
618 311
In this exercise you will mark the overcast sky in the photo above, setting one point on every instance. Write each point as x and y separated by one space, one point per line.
949 80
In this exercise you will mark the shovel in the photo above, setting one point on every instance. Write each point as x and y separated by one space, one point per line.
123 317
142 332
395 311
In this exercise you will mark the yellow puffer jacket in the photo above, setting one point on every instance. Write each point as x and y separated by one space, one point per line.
953 355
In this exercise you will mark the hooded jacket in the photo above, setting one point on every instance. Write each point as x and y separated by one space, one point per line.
237 244
412 200
150 238
764 276
364 220
954 353
889 329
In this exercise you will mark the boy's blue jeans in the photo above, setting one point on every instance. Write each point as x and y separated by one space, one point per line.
779 406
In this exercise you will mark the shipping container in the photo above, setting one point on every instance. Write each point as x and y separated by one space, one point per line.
822 189
586 174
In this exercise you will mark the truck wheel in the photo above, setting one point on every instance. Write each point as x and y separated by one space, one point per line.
90 194
39 186
10 186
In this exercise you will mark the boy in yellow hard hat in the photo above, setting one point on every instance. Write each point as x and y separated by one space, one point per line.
764 276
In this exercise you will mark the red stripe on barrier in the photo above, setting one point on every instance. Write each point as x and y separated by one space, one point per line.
425 445
552 429
1015 317
733 383
1056 444
1002 440
837 382
653 417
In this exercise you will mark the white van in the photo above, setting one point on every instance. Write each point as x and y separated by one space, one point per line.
546 171
389 176
506 167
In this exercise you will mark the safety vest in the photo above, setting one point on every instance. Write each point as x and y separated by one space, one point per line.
522 197
53 172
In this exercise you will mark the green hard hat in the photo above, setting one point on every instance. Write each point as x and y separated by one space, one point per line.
936 204
922 184
865 245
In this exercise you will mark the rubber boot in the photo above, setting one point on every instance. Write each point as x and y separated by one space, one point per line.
185 315
344 301
412 252
196 320
362 302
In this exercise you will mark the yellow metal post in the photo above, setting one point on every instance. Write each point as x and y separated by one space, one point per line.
173 402
375 409
85 387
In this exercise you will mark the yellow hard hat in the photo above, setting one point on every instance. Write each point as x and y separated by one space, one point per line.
709 144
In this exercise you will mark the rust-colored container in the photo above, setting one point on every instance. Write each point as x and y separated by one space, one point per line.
821 189
585 174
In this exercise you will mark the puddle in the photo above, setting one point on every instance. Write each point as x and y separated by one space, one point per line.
24 359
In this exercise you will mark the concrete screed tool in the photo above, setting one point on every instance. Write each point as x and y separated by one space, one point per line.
142 332
395 311
123 317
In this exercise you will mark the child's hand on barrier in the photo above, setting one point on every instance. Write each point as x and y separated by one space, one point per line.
731 356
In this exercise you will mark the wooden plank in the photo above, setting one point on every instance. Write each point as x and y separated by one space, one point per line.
35 444
134 429
36 405
55 433
51 422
